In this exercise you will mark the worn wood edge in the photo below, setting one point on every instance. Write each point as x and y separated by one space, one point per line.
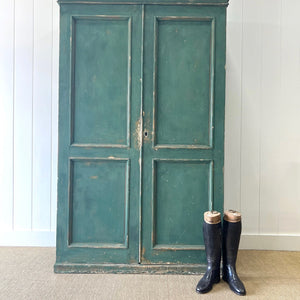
141 2
68 268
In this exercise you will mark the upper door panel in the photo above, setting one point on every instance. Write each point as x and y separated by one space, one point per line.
183 78
101 52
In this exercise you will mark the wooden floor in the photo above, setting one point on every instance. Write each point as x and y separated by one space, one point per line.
27 273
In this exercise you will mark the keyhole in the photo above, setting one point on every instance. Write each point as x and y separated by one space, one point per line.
146 133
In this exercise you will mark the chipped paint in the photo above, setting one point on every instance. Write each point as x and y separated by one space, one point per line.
129 268
138 134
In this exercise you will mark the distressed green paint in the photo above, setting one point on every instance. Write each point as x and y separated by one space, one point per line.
98 177
99 195
141 134
182 175
184 185
132 268
102 51
180 85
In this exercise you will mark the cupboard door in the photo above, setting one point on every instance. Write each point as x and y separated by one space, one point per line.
184 59
100 105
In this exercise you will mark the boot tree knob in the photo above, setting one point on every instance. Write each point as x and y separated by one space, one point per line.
232 216
212 217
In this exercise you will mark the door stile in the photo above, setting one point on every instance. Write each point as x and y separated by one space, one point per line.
141 133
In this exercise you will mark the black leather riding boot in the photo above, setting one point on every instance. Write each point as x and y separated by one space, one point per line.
232 227
212 240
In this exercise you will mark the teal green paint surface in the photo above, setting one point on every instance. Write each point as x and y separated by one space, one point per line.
102 70
98 177
184 185
183 66
99 198
141 135
187 178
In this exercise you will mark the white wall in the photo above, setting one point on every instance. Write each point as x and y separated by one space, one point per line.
262 164
28 115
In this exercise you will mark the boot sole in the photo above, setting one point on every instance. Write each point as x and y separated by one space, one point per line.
204 292
240 294
210 288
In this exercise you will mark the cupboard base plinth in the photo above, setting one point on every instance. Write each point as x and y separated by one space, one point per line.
68 268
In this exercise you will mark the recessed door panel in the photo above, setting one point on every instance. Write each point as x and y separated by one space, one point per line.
184 57
99 203
182 193
101 69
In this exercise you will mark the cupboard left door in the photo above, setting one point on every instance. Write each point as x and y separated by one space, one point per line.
99 135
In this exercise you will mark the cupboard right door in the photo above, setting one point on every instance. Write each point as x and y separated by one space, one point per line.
183 121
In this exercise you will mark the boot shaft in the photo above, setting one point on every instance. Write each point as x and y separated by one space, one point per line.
212 234
213 241
232 228
231 241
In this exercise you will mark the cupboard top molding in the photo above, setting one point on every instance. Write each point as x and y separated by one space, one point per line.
164 2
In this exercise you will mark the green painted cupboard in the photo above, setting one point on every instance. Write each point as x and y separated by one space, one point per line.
141 133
